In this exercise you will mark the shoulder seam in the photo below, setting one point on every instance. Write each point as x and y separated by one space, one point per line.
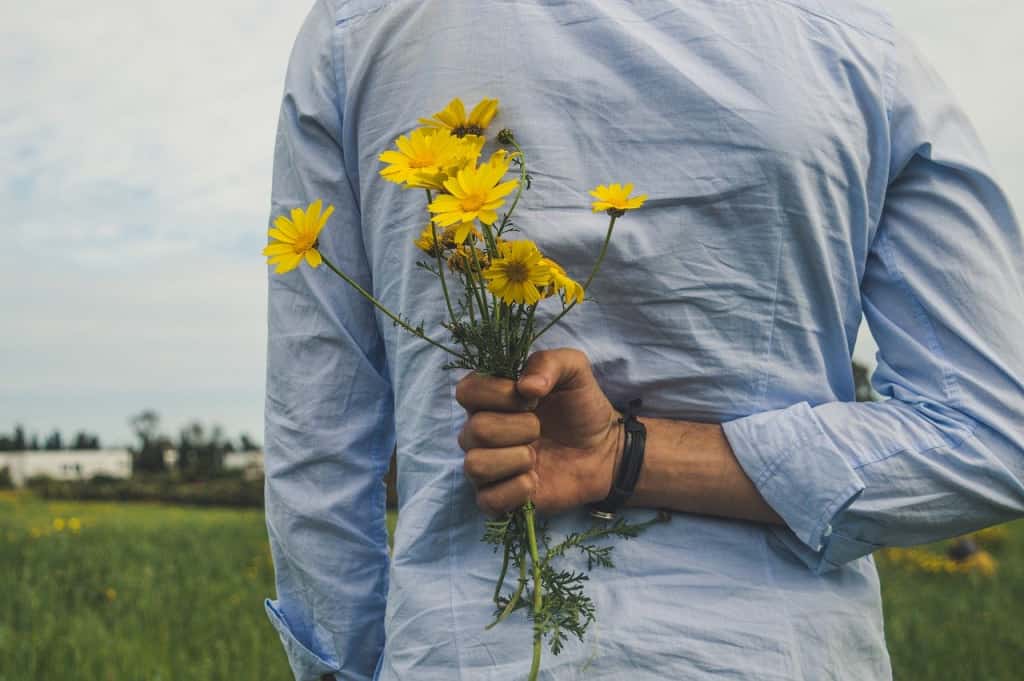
835 19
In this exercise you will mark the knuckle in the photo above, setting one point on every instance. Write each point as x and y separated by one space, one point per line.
476 424
484 502
472 465
461 391
531 457
532 425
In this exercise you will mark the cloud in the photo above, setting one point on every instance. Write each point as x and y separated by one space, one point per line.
140 122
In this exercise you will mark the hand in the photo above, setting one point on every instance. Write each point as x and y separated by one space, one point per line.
552 436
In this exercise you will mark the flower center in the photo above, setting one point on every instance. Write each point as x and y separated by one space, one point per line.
303 243
467 129
421 162
517 272
473 202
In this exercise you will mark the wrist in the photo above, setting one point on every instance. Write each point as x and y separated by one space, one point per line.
606 463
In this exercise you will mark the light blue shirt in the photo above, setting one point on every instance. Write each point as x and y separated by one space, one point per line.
805 168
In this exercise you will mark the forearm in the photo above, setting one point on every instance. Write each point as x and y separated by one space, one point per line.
690 467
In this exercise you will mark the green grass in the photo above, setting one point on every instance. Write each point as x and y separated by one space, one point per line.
141 593
957 627
144 592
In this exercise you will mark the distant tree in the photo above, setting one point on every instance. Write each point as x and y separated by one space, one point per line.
53 442
247 444
149 455
84 440
201 453
19 438
6 443
33 444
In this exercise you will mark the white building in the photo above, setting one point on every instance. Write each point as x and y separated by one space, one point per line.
66 464
251 463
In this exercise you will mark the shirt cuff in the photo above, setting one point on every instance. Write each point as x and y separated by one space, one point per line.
795 466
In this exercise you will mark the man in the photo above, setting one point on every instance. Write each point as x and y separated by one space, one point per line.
804 167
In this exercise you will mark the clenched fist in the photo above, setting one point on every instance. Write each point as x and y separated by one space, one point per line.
552 436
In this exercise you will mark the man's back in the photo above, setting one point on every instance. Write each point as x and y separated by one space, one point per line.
766 134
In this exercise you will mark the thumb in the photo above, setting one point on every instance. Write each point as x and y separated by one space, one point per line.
548 370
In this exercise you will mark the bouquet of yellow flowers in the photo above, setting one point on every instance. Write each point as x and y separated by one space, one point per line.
492 287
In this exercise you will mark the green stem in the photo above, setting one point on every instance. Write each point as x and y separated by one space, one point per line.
492 244
586 286
514 601
470 291
440 265
538 593
504 571
380 306
479 292
519 189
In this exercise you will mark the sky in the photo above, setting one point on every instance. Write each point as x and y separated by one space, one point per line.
136 143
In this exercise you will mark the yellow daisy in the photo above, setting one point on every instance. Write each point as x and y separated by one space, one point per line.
434 177
453 117
450 237
297 238
560 281
519 274
426 242
461 232
423 153
474 193
616 199
462 260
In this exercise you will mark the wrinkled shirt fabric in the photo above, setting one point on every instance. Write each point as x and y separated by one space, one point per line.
806 168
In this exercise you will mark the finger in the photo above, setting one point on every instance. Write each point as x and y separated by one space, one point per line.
487 466
476 392
507 495
489 429
549 369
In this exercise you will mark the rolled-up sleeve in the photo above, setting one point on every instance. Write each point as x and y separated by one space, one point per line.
943 295
329 426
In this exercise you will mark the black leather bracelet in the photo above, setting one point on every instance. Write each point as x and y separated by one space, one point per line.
625 478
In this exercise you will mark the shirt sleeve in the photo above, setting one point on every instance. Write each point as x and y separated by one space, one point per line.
942 293
329 427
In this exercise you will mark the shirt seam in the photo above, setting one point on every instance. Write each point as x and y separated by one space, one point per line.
950 387
453 518
833 19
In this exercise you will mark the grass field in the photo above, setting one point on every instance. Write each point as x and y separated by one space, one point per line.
139 592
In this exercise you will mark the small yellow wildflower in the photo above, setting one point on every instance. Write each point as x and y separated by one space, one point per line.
616 199
297 238
36 533
560 281
980 561
450 237
110 594
462 260
467 153
58 524
426 243
75 525
519 274
475 194
453 117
